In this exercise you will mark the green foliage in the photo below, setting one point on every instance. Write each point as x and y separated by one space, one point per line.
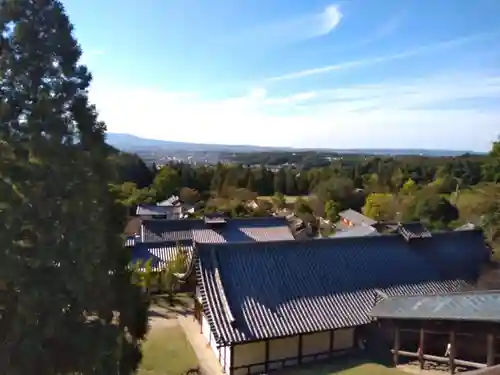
278 201
301 206
129 195
380 207
332 210
491 169
189 196
433 209
410 187
166 183
69 301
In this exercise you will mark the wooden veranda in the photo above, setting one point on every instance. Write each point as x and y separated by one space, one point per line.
471 344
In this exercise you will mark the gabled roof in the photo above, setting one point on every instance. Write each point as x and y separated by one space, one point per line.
130 241
153 210
413 230
467 226
291 287
357 231
357 218
469 306
161 253
239 229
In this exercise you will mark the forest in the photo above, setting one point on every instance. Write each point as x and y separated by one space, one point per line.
443 192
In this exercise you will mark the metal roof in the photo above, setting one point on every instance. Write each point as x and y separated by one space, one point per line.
275 289
152 210
470 306
233 230
357 218
358 231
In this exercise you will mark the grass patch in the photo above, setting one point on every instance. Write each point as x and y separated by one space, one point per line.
167 352
353 367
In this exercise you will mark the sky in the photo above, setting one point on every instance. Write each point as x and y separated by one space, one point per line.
345 74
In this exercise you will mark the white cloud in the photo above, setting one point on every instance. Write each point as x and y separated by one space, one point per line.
383 115
299 28
381 59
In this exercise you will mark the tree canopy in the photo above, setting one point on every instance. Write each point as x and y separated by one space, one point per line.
69 305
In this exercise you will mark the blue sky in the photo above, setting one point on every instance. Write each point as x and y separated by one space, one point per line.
352 73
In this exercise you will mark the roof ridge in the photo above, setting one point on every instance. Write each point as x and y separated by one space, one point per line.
461 293
220 287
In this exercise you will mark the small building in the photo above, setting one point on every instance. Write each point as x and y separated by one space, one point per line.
149 211
264 306
215 229
461 329
351 218
357 231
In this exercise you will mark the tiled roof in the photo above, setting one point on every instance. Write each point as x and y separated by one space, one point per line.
240 229
470 306
290 287
161 253
130 241
356 218
413 230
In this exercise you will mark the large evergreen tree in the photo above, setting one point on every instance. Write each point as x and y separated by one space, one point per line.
67 304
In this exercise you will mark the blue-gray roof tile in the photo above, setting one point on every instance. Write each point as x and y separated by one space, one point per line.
284 288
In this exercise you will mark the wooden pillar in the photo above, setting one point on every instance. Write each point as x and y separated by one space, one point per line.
332 340
452 350
266 361
490 350
421 345
300 349
397 344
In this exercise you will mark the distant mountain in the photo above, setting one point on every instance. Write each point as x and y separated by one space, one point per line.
128 142
132 143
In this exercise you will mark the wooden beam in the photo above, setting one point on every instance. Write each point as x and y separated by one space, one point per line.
490 350
397 345
421 345
452 351
435 358
231 359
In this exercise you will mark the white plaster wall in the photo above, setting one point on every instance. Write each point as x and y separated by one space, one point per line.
222 354
247 354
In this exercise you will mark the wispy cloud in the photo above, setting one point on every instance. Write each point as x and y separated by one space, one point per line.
386 29
299 28
387 114
382 59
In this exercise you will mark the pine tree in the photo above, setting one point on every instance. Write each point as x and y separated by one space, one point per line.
67 304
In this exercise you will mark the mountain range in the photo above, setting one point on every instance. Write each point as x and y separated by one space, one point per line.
132 143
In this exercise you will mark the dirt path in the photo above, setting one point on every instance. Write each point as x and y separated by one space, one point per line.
161 318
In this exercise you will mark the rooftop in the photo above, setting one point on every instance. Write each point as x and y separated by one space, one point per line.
469 306
161 253
230 230
358 231
260 290
152 210
357 218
